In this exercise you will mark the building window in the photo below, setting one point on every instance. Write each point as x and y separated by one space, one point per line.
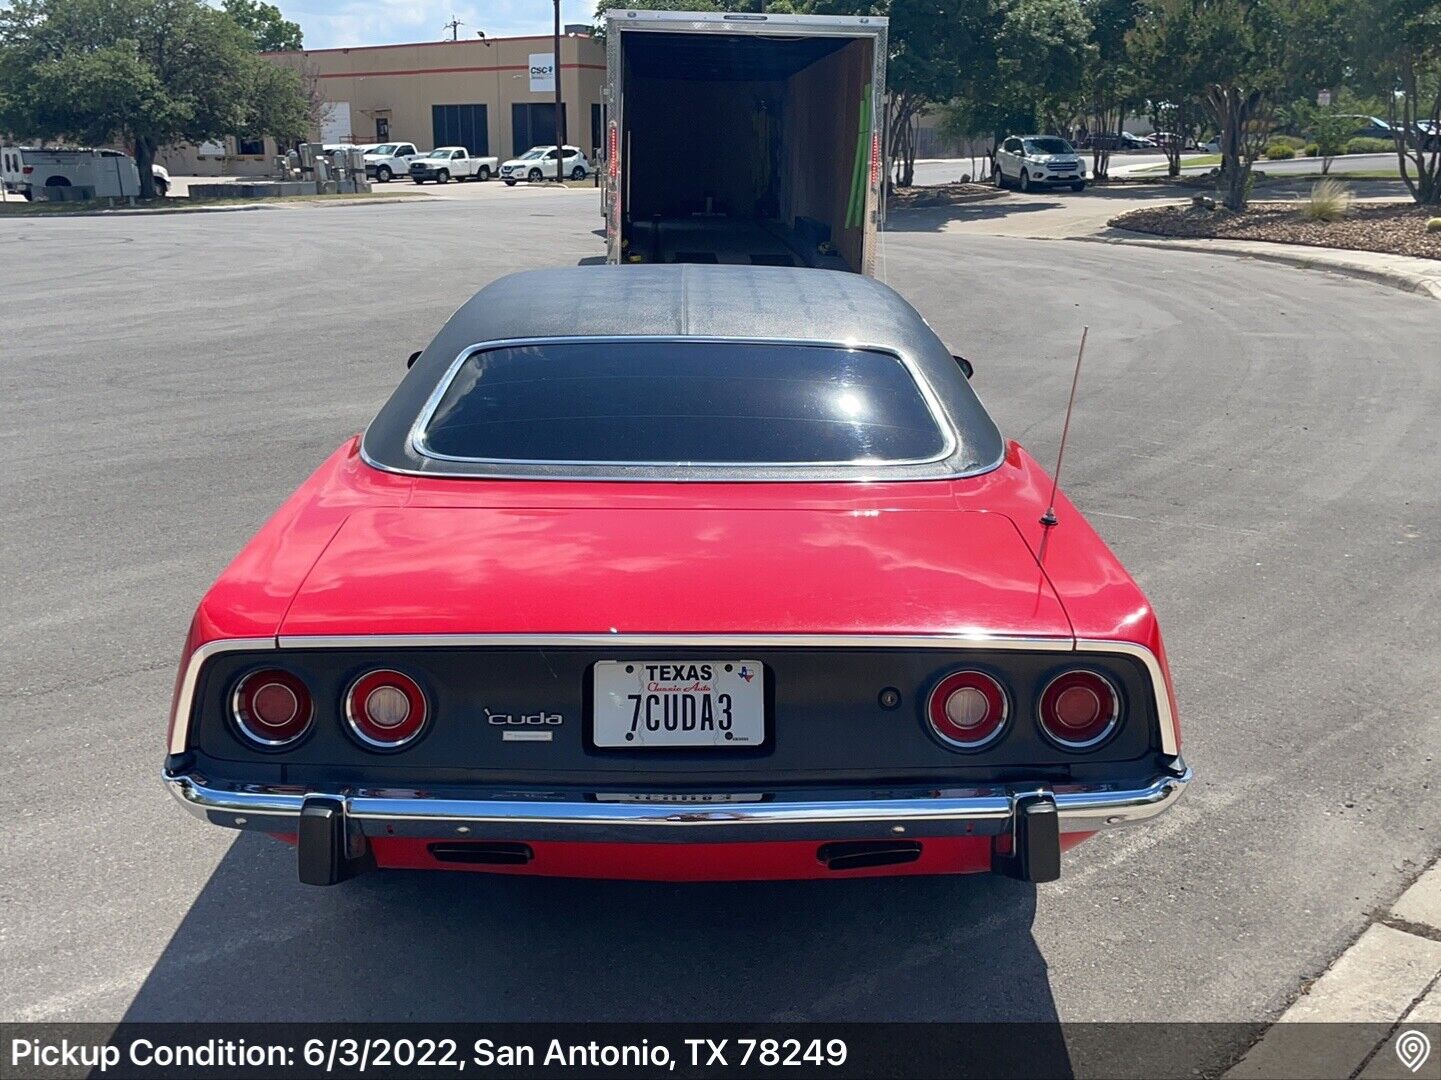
251 147
461 125
382 129
532 125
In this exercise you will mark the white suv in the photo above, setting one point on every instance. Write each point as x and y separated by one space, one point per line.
1031 161
539 162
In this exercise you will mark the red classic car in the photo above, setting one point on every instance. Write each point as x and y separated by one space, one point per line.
683 573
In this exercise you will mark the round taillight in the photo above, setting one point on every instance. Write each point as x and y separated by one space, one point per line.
271 708
968 709
385 709
1079 709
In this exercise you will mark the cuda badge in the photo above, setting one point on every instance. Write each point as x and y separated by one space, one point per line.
502 719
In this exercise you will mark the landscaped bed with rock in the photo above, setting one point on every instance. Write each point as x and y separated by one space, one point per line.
1396 228
942 194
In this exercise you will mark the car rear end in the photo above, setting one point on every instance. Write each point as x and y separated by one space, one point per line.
760 606
674 756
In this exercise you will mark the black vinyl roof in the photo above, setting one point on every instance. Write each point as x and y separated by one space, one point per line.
751 303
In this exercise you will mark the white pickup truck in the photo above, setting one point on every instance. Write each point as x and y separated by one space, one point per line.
389 160
445 163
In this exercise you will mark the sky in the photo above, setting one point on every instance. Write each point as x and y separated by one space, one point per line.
329 24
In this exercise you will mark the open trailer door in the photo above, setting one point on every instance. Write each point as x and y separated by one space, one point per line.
746 139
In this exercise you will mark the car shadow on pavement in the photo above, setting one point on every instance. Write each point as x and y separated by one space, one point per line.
419 946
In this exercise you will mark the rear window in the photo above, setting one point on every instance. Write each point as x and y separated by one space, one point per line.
683 402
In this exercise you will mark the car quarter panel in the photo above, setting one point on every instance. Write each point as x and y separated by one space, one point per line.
251 595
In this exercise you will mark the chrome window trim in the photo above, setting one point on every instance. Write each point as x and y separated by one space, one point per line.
1170 743
418 430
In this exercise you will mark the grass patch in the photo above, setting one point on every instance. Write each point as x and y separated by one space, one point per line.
1194 159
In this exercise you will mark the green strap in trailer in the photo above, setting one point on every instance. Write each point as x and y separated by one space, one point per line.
860 171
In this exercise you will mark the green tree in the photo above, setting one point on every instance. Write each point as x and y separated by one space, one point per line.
1023 67
150 72
1232 51
1170 71
267 27
1044 47
1108 85
1398 51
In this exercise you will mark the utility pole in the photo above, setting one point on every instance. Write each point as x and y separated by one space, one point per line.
454 27
559 105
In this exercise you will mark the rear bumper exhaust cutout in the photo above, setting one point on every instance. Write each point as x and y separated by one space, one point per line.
481 853
860 854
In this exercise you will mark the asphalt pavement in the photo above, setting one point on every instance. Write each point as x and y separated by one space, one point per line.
1258 443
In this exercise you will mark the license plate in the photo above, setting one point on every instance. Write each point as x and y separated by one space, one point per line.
656 704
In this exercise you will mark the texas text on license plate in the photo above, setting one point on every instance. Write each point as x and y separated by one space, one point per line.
650 704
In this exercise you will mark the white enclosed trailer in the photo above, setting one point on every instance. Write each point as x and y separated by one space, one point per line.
740 138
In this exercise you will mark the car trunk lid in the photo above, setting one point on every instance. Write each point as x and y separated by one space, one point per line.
650 570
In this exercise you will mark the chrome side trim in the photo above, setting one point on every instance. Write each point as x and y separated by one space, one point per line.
1169 742
418 431
184 700
1170 737
812 815
644 641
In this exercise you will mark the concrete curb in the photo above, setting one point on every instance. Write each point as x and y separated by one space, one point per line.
1386 985
172 210
1376 267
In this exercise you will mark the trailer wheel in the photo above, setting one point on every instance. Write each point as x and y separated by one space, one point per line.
383 174
484 173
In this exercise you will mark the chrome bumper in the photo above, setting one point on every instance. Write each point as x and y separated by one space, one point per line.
812 814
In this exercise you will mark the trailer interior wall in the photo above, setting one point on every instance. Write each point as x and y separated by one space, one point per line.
728 140
823 122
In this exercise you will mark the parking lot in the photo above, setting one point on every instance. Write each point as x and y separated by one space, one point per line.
1258 443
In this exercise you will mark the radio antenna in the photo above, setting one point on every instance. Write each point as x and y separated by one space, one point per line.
1049 517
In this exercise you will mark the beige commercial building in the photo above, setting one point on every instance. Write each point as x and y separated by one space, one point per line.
490 96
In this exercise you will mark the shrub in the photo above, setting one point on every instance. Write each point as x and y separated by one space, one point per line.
1290 140
1278 151
1434 225
1330 201
1313 149
1369 146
